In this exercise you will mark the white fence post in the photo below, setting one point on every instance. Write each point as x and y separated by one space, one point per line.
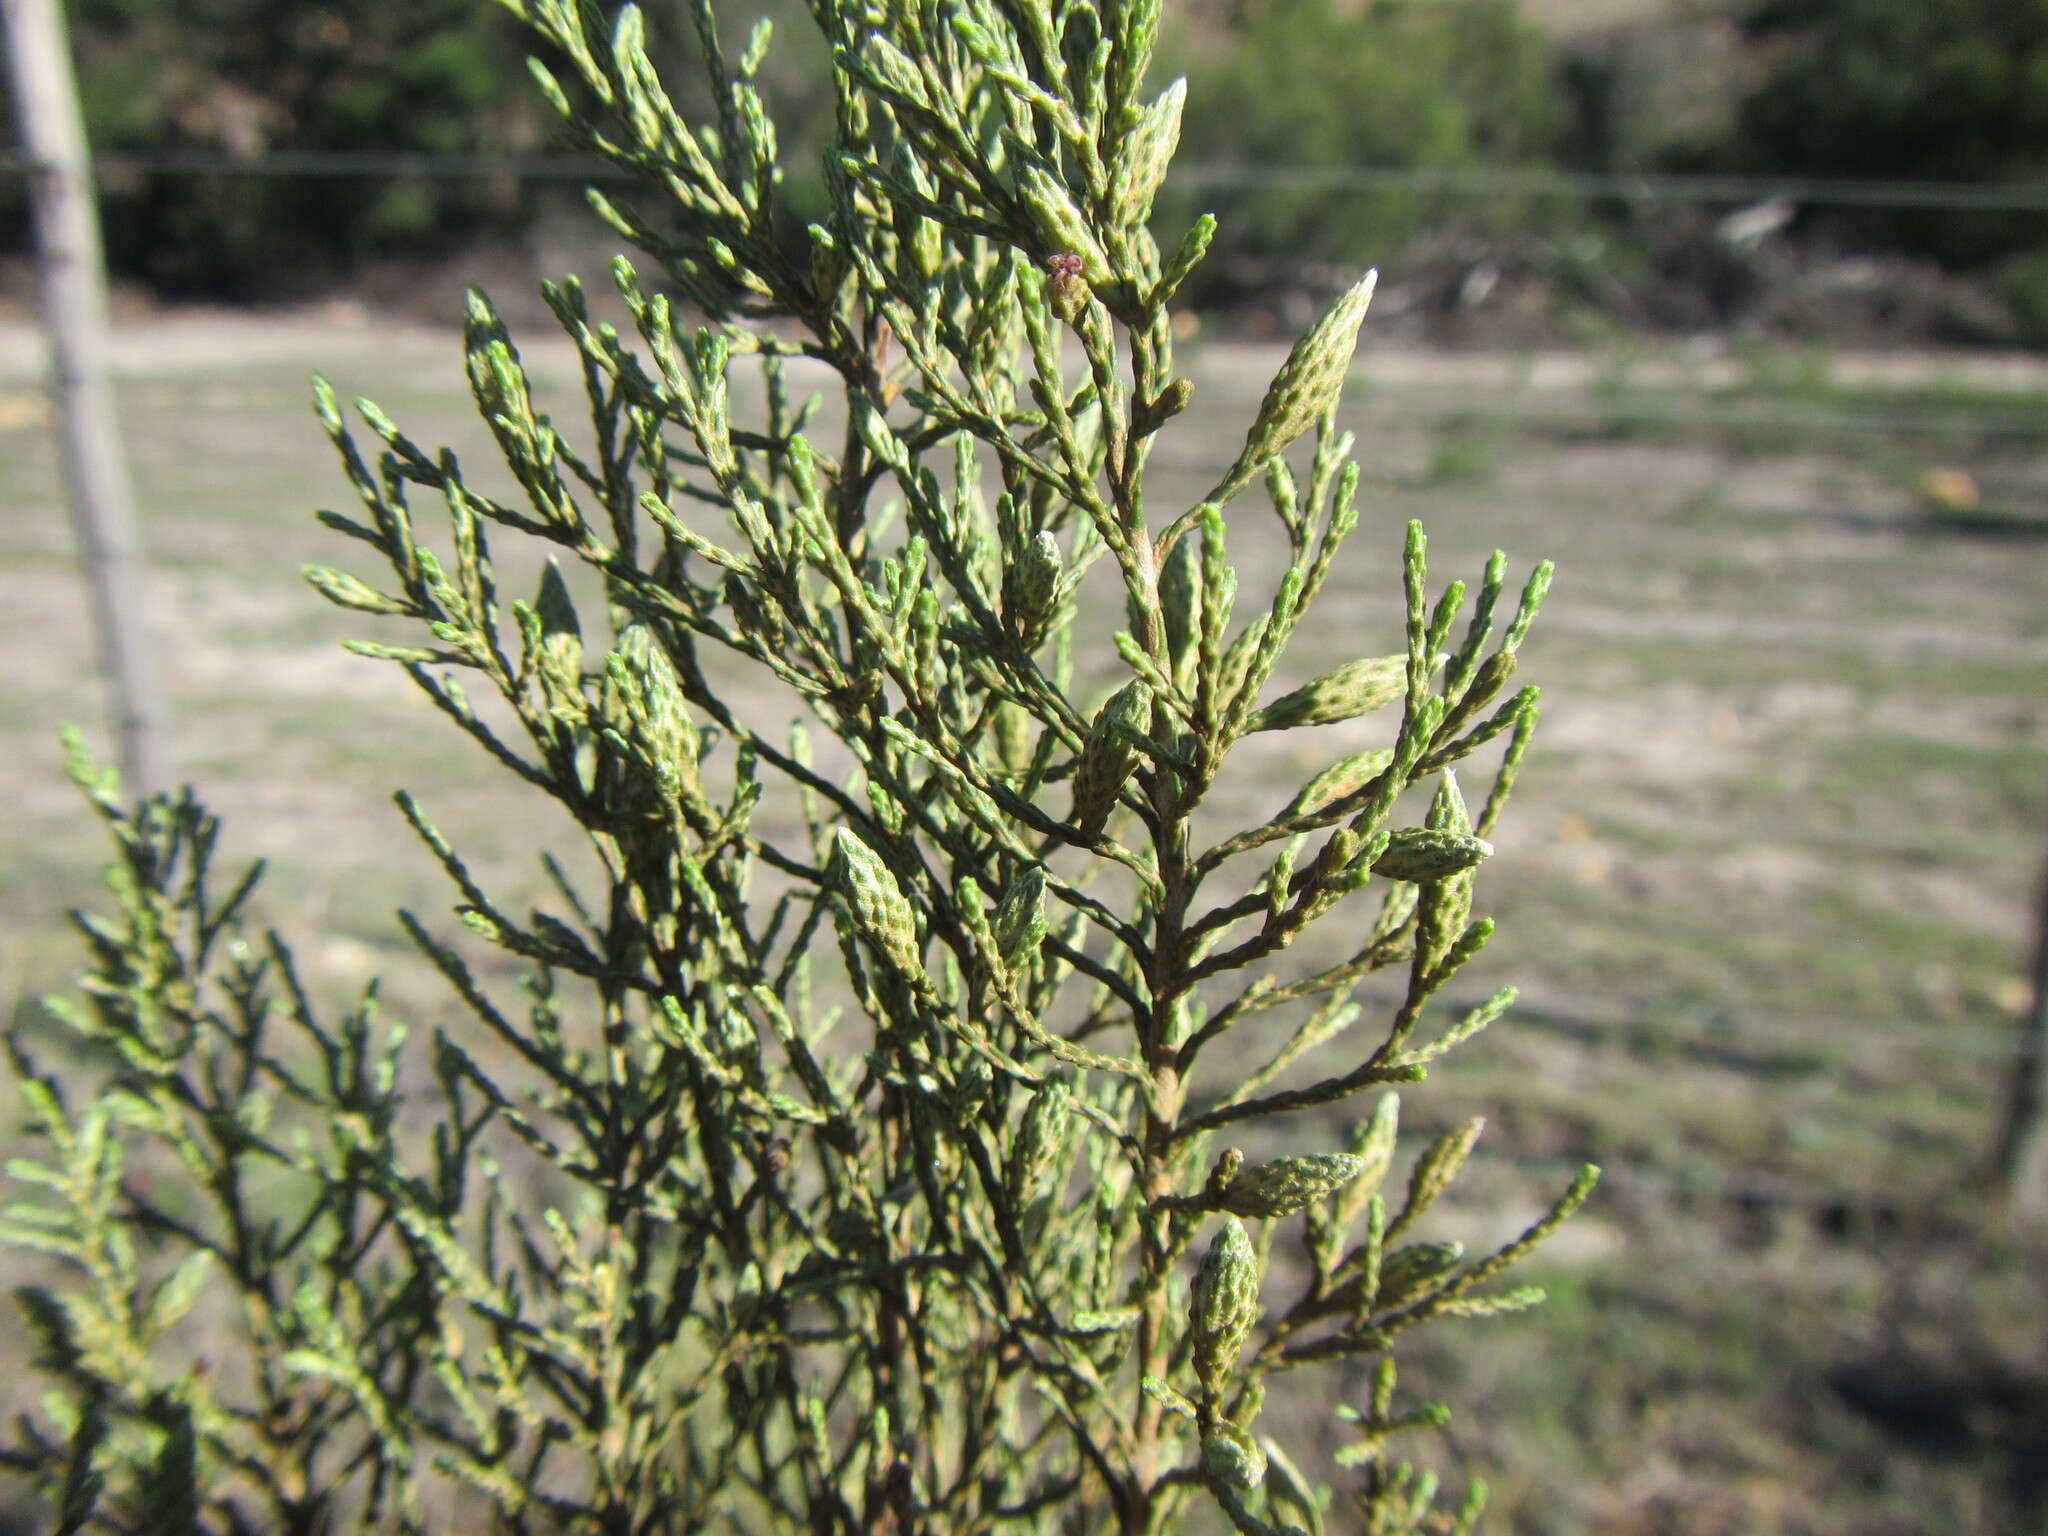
71 269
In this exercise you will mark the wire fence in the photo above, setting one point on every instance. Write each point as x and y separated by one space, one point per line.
1477 181
1509 407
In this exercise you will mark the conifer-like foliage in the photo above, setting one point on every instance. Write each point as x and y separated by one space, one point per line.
846 1146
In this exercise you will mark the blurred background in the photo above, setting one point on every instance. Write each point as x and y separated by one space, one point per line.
1734 310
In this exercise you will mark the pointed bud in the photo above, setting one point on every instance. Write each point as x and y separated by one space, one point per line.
971 1090
1107 757
552 602
829 267
1447 811
1287 1184
644 688
1354 689
1180 604
1142 158
562 636
1420 853
880 910
1040 1139
1446 904
1225 1303
1306 386
1031 585
1019 923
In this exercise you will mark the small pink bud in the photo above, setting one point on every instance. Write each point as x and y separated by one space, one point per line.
1069 286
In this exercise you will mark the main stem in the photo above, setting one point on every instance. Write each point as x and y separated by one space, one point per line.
1162 1114
1166 979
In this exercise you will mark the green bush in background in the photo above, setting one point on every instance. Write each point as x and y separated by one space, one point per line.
250 79
1309 83
244 78
1323 84
1862 89
1879 90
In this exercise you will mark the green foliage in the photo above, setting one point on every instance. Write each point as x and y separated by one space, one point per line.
238 78
700 1220
1868 88
1370 83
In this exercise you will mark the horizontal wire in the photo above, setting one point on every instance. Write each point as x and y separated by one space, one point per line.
1636 186
1475 181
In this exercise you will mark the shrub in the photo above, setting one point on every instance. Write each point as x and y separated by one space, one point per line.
245 78
1866 88
853 1158
1333 86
